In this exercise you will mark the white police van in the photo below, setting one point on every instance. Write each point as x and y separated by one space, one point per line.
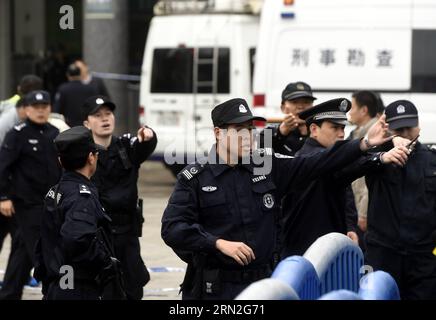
198 54
341 46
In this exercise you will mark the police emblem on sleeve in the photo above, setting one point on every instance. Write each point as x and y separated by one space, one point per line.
55 196
268 200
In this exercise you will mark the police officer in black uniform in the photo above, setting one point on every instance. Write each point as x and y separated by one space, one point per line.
402 211
28 168
116 179
75 233
221 216
288 137
326 204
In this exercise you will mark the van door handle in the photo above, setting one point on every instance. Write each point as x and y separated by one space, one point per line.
197 117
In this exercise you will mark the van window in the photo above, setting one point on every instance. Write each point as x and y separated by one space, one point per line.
424 61
205 70
173 68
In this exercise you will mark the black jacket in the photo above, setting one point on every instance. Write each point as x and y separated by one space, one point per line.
29 163
212 201
318 207
117 176
72 226
402 203
70 98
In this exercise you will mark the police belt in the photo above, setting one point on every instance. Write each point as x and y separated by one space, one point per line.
245 276
121 219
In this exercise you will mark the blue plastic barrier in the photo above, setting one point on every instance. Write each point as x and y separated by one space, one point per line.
268 289
378 285
337 261
331 268
300 275
341 295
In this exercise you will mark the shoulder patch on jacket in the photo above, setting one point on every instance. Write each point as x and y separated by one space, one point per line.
83 189
20 126
190 171
282 156
52 194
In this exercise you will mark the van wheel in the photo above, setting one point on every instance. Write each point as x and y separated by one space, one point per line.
174 168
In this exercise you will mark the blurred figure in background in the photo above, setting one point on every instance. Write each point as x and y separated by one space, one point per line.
71 96
96 83
27 84
364 113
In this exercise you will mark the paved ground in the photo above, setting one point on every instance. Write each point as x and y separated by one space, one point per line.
167 270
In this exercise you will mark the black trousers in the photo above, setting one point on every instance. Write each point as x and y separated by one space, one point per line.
83 290
227 291
415 273
362 241
21 257
135 274
5 226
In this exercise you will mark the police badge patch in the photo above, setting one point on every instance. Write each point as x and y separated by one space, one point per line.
343 106
401 109
268 200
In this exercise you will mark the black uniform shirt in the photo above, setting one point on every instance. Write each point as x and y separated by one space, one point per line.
69 99
316 208
117 173
29 163
69 225
214 201
402 203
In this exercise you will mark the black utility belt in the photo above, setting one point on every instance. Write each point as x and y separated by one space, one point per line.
242 276
122 219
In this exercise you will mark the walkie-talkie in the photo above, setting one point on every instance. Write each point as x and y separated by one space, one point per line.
412 144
